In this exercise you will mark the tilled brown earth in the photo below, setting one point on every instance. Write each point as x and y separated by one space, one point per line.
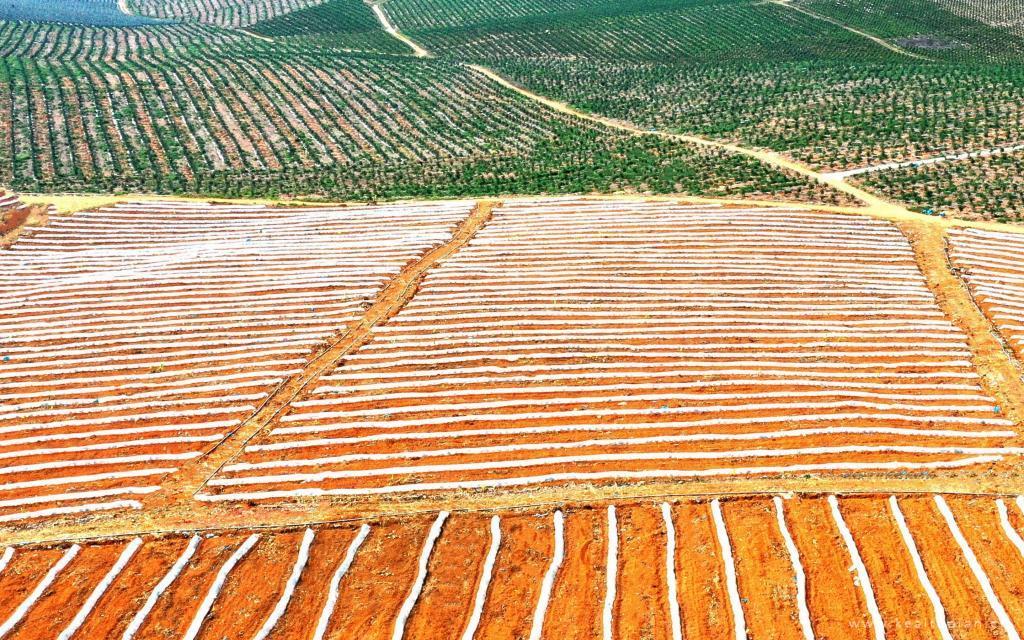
580 342
858 567
556 374
134 338
992 264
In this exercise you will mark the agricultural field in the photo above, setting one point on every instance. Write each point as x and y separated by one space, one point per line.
242 421
134 339
97 13
111 110
808 81
974 188
339 23
932 29
511 320
857 567
1003 15
224 13
992 267
573 342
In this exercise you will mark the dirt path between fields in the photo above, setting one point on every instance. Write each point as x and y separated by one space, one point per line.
385 22
771 158
871 201
999 369
879 41
13 222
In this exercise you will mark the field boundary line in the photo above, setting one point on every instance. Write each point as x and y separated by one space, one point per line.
864 34
178 488
70 203
221 522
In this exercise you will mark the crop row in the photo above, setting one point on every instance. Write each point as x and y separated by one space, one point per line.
980 188
225 13
786 78
856 568
1004 15
419 15
152 110
41 41
138 336
936 29
833 116
991 264
661 32
574 342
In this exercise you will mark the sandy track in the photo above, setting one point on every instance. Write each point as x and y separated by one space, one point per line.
383 574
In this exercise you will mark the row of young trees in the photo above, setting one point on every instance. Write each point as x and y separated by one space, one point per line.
241 116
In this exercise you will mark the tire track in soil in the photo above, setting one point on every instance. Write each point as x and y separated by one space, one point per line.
311 593
453 574
576 601
241 608
900 596
527 546
700 574
968 613
1003 564
378 582
642 608
59 604
128 593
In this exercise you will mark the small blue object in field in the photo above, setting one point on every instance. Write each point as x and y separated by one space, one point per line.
94 13
7 358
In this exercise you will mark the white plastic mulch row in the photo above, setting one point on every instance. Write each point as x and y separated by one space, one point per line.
143 333
939 549
992 264
575 340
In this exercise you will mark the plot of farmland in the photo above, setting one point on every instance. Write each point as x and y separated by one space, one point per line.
993 268
133 338
576 342
855 568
